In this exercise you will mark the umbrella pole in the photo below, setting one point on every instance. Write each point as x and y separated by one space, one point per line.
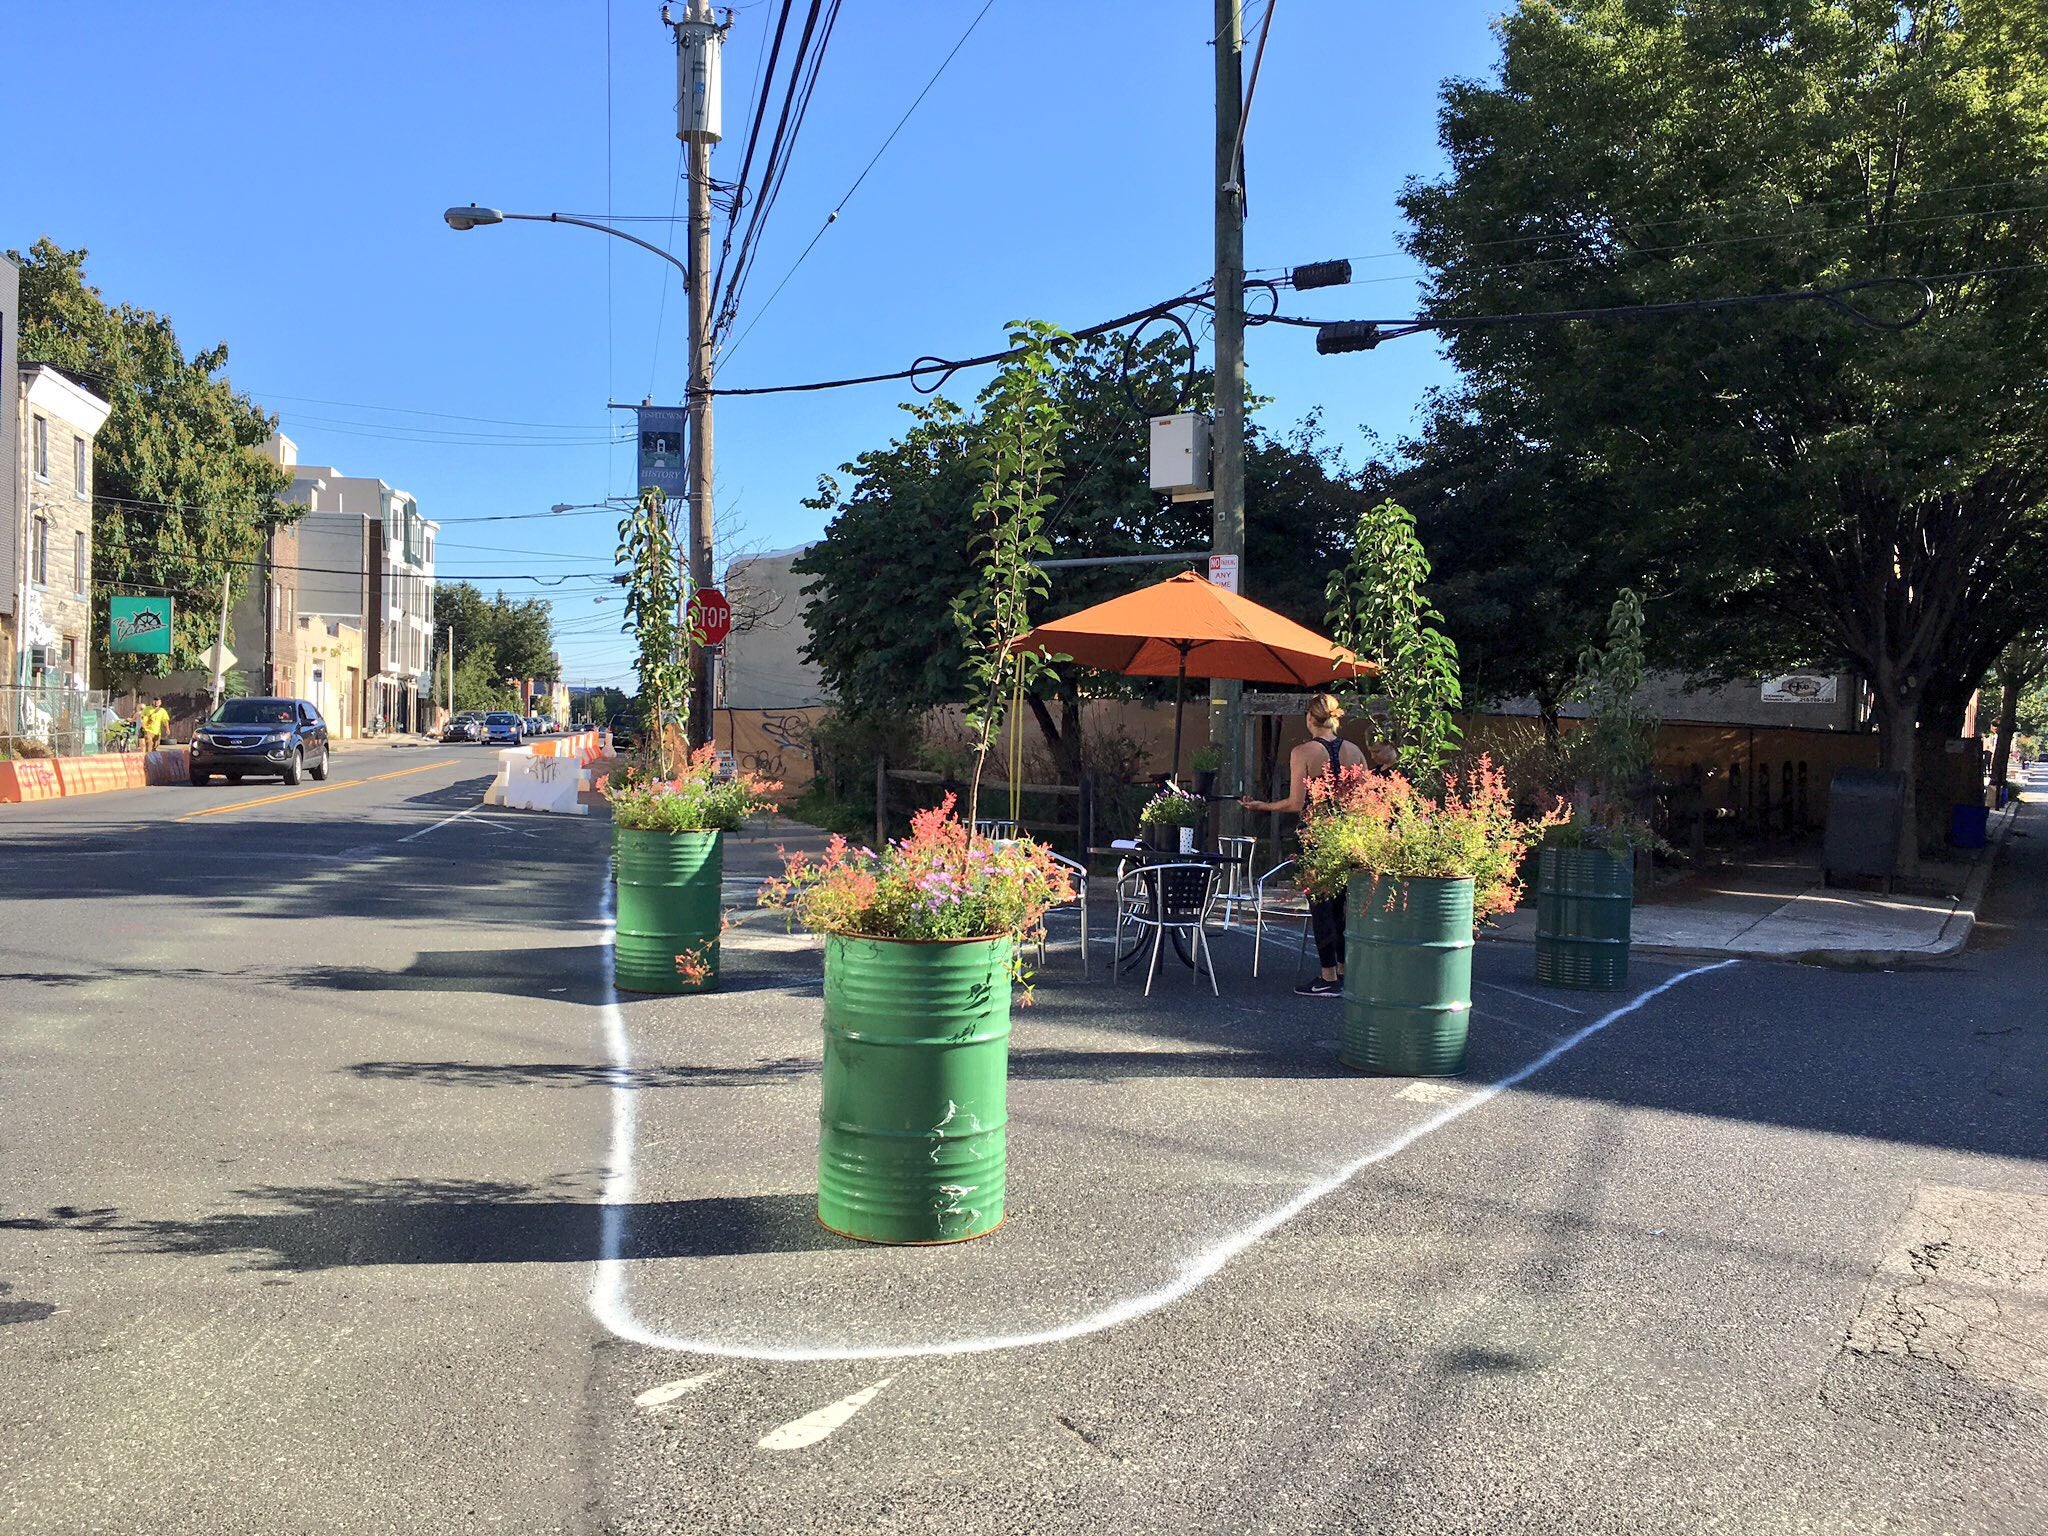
1180 688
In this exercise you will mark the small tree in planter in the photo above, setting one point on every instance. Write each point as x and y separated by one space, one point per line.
921 950
1020 461
1419 871
1585 871
670 810
1172 816
1378 610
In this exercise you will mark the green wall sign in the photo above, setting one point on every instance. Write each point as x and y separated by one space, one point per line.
140 625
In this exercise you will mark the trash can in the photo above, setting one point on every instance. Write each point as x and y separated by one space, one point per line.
1967 826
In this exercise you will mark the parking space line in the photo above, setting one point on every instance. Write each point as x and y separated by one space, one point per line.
317 789
1531 997
609 1304
821 1425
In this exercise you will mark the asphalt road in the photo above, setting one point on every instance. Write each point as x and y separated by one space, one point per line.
310 1108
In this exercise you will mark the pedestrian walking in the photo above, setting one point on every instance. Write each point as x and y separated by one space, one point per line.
1320 757
153 721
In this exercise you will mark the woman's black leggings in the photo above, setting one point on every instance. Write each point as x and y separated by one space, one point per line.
1327 918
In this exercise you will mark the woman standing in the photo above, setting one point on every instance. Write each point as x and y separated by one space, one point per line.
1320 757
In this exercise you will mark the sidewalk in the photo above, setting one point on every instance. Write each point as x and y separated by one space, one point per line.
1780 908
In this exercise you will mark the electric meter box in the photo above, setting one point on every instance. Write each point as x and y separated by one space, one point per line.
1180 455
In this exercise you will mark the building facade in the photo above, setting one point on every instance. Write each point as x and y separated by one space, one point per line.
48 632
365 558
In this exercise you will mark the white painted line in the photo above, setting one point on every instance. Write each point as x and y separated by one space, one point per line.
609 1304
813 1427
669 1391
1531 997
437 826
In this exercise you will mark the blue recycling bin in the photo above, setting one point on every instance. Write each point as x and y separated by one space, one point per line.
1967 826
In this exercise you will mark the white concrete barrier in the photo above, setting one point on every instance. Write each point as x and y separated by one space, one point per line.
527 782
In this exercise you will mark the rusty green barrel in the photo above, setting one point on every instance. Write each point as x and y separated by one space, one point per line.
1407 975
912 1144
1584 897
669 884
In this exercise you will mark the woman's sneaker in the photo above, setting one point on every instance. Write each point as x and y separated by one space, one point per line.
1316 986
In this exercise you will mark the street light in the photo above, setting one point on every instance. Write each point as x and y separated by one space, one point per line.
695 561
472 216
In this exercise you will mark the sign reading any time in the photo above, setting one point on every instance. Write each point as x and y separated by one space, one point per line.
713 614
139 625
1223 572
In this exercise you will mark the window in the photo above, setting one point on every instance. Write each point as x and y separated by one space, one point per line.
71 653
81 470
39 552
81 565
39 448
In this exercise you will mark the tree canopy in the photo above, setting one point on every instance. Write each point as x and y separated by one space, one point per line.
495 639
181 497
897 548
1779 479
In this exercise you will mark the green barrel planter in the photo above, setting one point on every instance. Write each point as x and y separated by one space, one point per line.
1407 975
669 886
912 1143
1584 897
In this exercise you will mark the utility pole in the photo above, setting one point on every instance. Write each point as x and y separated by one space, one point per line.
1226 698
451 671
699 45
220 652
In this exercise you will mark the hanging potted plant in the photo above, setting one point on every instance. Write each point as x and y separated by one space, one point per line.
668 839
921 952
1586 868
1205 765
1172 814
1417 873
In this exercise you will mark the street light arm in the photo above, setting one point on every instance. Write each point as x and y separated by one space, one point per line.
605 229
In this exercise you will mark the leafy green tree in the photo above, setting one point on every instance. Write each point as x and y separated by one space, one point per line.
896 546
181 500
1785 479
1378 607
495 638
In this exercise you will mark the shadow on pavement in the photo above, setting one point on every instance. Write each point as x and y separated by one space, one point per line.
362 1222
557 973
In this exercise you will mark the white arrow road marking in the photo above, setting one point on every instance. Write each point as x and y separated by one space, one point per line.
813 1427
669 1391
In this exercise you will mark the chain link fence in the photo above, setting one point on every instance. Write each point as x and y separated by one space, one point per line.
50 721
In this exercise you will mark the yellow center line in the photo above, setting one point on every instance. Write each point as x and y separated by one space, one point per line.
317 789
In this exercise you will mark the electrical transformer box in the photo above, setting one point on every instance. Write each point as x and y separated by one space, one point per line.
1180 455
700 78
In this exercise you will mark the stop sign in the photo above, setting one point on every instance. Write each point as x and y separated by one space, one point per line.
713 615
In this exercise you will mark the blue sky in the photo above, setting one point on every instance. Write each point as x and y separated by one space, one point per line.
274 176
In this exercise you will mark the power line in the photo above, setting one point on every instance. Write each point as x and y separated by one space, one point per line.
846 196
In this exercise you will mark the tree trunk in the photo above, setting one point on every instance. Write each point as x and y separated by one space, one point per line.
2008 722
1898 749
1546 711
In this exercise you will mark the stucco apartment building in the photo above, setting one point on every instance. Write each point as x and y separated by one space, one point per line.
365 558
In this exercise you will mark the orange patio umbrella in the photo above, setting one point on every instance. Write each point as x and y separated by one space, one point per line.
1186 625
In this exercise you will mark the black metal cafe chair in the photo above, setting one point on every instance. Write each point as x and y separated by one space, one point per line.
1170 898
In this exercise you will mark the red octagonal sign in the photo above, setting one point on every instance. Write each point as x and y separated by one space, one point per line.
713 615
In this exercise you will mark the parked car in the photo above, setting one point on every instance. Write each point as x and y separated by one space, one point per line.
467 726
260 737
533 725
625 736
503 725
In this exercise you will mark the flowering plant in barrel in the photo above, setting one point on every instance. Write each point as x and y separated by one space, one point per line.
922 937
922 945
667 833
1417 871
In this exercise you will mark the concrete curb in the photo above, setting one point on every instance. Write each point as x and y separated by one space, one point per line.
1954 934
